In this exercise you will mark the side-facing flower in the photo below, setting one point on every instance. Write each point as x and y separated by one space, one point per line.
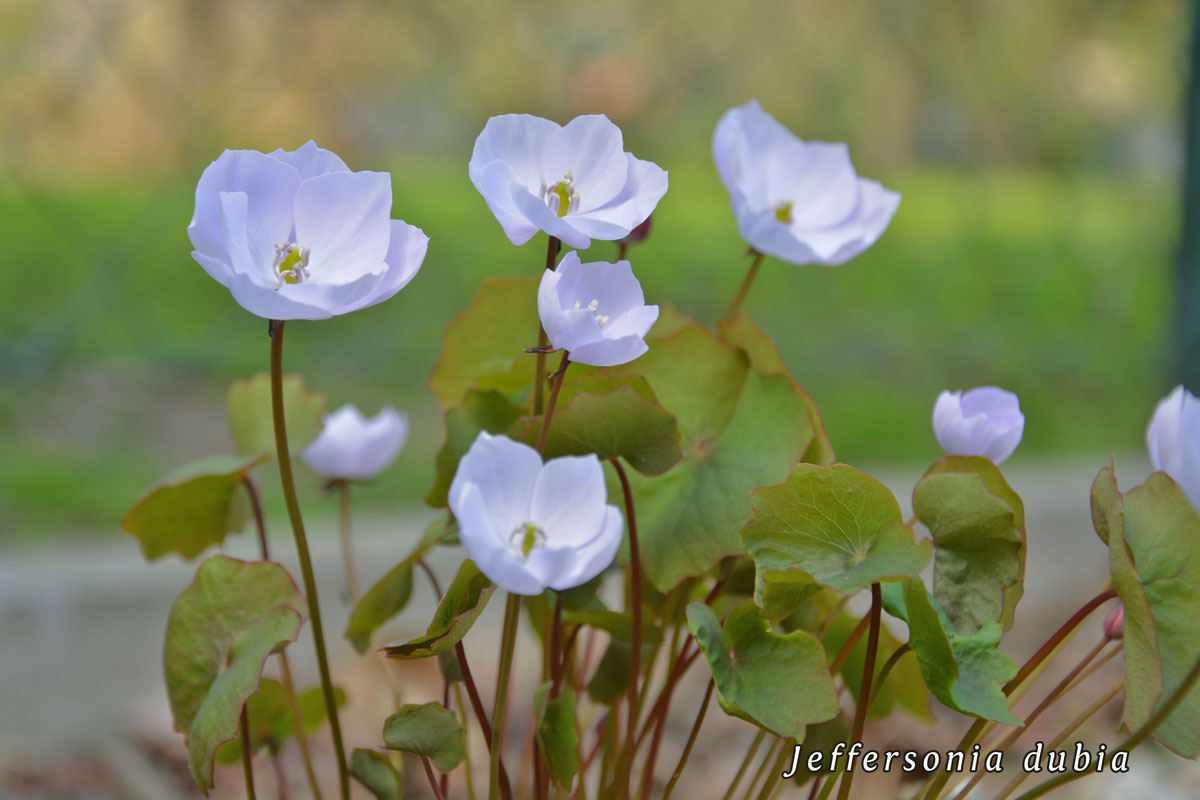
531 526
297 235
352 447
574 181
1173 439
798 201
596 311
980 422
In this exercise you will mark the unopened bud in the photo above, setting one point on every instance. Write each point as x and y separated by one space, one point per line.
1114 623
639 233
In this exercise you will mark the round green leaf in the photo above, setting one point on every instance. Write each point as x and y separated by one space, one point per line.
780 682
252 421
376 774
834 525
480 411
191 509
739 430
219 633
271 719
978 527
964 671
464 601
429 731
488 339
1155 561
557 737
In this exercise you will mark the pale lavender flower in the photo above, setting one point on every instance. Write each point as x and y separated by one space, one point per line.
799 201
981 422
575 181
297 235
1173 439
530 526
595 311
352 447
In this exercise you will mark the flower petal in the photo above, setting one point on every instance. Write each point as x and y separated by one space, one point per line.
517 140
495 182
344 218
633 204
590 149
310 160
505 473
568 500
610 352
594 557
484 545
406 252
534 209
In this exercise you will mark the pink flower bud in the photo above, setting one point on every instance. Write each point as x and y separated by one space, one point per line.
1114 623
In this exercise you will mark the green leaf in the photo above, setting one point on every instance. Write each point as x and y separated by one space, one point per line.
376 774
833 525
219 633
557 737
191 509
480 411
619 626
766 359
1154 546
739 429
390 594
464 601
964 671
780 682
488 339
978 527
252 422
612 417
429 731
610 681
271 719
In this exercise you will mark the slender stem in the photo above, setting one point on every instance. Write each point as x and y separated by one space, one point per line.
848 647
888 665
940 779
754 745
738 298
555 387
834 613
556 646
433 581
769 758
691 742
864 693
480 714
622 250
289 687
1165 710
635 603
281 781
681 665
1051 643
1070 728
343 489
539 376
467 771
433 784
1014 734
310 583
247 767
773 773
508 645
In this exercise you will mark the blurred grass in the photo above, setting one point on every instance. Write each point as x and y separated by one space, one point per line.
116 347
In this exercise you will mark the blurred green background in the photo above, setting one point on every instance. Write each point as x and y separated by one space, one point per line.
1037 147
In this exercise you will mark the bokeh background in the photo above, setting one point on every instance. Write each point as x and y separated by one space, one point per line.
1038 147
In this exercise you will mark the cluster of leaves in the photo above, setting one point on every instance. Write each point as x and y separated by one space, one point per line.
751 540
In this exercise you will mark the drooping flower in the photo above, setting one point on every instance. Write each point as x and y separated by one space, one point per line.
1173 439
352 447
297 235
574 181
595 311
799 201
530 526
985 421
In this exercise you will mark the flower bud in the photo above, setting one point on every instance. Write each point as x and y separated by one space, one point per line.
352 447
981 422
1114 623
1173 439
640 233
